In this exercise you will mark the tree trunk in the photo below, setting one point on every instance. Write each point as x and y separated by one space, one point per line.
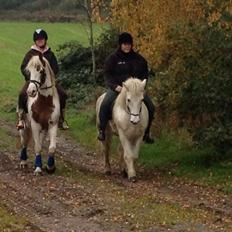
91 39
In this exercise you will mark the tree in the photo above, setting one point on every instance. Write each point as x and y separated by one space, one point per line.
94 11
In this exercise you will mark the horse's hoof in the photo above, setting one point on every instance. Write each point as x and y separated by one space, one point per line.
23 164
50 170
38 171
124 174
133 179
108 173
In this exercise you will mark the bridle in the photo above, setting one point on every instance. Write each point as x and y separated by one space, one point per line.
131 114
39 84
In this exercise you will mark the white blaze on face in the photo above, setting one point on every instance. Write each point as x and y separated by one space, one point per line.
33 87
134 104
134 100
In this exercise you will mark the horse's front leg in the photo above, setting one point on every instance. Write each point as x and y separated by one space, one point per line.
24 139
52 148
36 130
130 155
129 160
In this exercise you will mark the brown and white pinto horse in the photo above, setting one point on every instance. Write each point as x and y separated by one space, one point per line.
43 113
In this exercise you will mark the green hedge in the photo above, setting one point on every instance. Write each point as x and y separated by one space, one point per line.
76 67
198 83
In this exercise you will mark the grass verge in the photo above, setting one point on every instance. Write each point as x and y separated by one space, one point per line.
173 154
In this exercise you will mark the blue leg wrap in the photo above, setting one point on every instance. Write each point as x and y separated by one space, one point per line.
23 154
38 161
51 161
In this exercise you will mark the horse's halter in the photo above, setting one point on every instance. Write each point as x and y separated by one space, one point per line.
134 117
129 111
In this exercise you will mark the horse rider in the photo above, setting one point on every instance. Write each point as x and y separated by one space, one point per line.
119 66
40 47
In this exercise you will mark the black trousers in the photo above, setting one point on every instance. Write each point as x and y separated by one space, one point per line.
107 104
22 99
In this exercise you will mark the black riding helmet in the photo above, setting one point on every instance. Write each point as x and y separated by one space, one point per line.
40 34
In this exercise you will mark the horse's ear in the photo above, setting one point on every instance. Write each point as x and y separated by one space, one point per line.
124 85
144 83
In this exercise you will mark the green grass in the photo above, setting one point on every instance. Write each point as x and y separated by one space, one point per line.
164 213
174 156
83 127
171 154
10 222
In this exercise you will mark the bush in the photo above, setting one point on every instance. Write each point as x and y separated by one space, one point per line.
76 67
197 84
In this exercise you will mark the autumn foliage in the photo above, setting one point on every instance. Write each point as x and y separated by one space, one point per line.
150 21
188 45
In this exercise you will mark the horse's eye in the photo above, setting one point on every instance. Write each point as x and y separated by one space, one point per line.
128 100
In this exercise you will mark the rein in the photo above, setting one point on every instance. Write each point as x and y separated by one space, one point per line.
47 87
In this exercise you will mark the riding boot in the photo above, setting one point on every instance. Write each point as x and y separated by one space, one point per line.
21 116
63 125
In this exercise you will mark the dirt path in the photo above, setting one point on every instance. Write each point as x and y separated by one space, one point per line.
80 198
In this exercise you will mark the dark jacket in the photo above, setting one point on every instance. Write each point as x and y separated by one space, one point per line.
49 55
119 66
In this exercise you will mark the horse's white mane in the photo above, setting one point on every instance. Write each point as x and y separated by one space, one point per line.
34 63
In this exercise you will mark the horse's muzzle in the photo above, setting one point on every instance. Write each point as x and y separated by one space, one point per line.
134 122
134 119
31 93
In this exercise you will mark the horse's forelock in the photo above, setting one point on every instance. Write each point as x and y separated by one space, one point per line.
133 85
35 63
39 63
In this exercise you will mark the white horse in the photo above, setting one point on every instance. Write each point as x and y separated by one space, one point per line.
129 121
43 113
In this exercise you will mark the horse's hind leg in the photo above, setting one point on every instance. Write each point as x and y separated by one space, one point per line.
106 152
